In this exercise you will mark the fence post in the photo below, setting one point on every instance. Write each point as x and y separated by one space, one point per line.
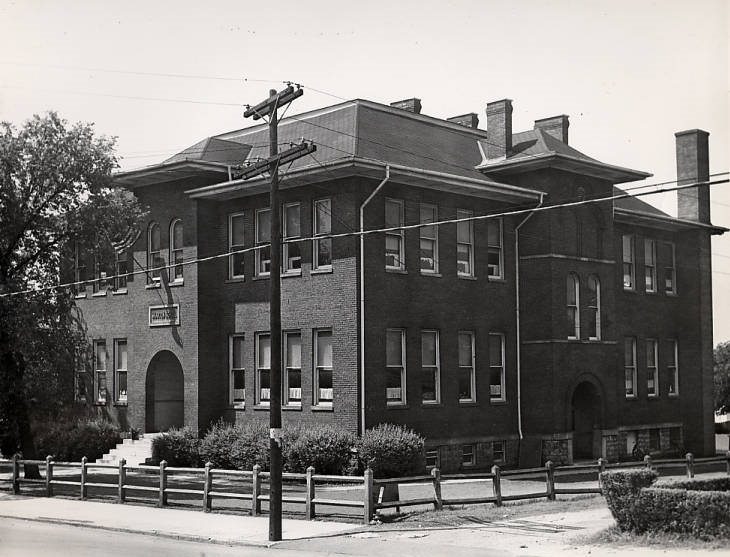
16 475
207 487
601 469
122 480
438 502
309 504
550 480
49 476
497 485
83 477
368 499
255 490
727 462
690 465
647 461
163 484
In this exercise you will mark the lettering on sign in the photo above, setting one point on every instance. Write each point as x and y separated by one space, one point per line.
164 316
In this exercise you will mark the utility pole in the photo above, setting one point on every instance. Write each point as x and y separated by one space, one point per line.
270 108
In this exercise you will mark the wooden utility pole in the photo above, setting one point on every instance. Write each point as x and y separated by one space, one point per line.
270 108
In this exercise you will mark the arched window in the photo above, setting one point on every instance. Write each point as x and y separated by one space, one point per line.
154 255
176 249
594 308
572 305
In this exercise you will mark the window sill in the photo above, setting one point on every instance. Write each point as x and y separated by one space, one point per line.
120 292
236 408
261 407
652 397
100 404
466 277
321 271
261 277
290 274
431 404
80 296
153 285
323 408
673 395
499 402
396 271
467 402
99 294
431 274
121 404
497 279
630 290
672 294
234 280
291 407
632 397
396 405
179 282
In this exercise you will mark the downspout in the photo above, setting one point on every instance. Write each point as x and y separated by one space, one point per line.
362 297
517 315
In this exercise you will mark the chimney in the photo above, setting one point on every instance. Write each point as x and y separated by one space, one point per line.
411 105
557 126
499 129
470 120
693 165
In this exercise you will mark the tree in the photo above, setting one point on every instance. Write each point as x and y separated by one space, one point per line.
55 191
721 358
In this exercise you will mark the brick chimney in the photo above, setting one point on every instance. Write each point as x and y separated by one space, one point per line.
411 105
499 129
470 120
693 165
557 126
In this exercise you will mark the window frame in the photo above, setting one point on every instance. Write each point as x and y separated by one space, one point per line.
317 400
173 252
434 241
503 451
316 241
402 368
259 400
233 402
287 399
673 368
117 370
121 272
464 214
628 259
630 367
652 372
498 248
596 309
471 368
233 246
100 283
573 288
650 265
261 245
99 372
432 454
471 453
434 370
79 273
672 268
399 234
503 372
288 247
154 265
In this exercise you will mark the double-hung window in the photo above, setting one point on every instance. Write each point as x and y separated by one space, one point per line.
496 368
467 387
495 256
176 250
673 367
652 372
292 251
670 269
594 308
235 243
572 304
237 372
627 246
464 244
84 379
498 452
154 253
467 455
430 380
322 247
432 458
649 265
100 370
120 370
100 277
395 256
263 236
263 369
323 390
395 362
293 366
79 272
630 367
121 271
429 237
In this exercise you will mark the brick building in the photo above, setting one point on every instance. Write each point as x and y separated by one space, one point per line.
568 333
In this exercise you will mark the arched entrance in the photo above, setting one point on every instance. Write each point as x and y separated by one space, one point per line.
587 421
164 393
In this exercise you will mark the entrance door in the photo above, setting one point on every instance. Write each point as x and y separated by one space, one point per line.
586 417
164 389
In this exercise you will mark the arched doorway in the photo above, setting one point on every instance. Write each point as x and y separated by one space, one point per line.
587 421
164 393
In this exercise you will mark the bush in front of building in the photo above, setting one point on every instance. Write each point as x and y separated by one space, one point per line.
391 451
179 447
70 442
327 448
621 489
236 447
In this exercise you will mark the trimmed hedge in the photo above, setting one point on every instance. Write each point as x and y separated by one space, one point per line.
179 447
236 447
621 489
391 451
71 442
327 448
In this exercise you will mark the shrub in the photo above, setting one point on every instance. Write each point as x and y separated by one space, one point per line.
71 442
391 451
621 489
327 448
179 447
236 447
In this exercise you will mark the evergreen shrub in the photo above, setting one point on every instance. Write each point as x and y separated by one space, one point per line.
70 442
391 451
179 447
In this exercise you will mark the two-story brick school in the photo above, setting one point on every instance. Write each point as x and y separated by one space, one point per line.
527 333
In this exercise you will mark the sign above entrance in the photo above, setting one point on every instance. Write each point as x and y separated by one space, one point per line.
164 316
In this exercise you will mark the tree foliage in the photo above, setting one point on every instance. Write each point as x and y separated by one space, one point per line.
722 376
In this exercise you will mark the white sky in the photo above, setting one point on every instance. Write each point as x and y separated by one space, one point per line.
629 73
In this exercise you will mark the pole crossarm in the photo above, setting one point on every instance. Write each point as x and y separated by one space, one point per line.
265 108
295 152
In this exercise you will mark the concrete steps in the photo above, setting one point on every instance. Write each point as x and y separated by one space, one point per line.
135 452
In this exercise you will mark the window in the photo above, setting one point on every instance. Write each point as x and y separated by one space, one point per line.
100 370
394 241
650 265
496 367
628 261
395 362
79 272
121 270
322 247
176 250
432 458
652 372
467 387
154 253
467 455
293 366
263 236
292 251
673 368
263 369
464 244
120 370
572 305
235 243
498 452
670 272
430 380
630 366
594 308
100 277
237 388
429 249
84 379
323 392
495 261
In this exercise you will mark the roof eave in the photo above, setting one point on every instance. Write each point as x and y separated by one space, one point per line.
629 216
167 172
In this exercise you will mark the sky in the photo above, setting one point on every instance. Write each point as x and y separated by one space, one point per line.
628 73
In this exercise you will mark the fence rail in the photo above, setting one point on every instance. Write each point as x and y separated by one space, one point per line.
381 493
